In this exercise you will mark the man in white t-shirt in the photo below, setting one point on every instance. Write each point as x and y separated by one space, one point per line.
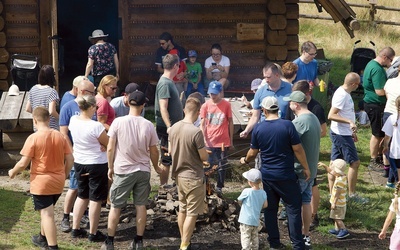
343 132
132 146
120 104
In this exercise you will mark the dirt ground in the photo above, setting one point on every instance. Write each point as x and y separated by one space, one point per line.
164 233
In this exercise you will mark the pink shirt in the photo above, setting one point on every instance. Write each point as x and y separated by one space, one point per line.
104 108
216 120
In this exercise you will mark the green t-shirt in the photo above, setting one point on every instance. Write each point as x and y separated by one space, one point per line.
193 71
309 130
374 78
166 90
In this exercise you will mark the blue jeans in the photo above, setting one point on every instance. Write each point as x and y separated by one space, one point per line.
289 191
219 157
394 165
190 89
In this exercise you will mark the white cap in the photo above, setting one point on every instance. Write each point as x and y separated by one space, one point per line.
13 90
253 175
270 103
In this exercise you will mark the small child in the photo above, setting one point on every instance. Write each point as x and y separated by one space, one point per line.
393 212
217 127
254 86
338 197
362 116
194 71
180 79
52 160
252 200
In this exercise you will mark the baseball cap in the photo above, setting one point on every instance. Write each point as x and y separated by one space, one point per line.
174 52
137 98
296 96
339 166
214 87
253 175
270 103
131 87
192 53
255 84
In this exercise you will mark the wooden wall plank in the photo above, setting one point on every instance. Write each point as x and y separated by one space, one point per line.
202 2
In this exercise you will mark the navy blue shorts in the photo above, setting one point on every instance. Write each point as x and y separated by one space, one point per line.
343 147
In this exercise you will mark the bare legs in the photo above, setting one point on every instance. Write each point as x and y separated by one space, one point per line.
186 227
48 226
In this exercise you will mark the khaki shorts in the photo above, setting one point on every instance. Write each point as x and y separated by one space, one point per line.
192 193
338 214
123 184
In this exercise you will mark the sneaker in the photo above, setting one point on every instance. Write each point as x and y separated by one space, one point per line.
280 246
78 233
107 245
98 237
333 231
390 185
343 233
39 241
85 222
307 241
282 214
358 199
136 245
189 247
375 166
314 222
65 226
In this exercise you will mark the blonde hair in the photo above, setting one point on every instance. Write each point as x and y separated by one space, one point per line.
41 114
85 102
105 81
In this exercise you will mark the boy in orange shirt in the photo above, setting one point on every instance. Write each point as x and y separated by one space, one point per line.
217 127
51 160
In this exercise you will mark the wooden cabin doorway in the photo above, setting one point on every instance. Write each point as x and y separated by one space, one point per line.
76 20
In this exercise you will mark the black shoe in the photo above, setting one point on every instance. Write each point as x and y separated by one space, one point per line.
98 237
65 226
78 233
314 222
136 245
280 246
386 173
39 241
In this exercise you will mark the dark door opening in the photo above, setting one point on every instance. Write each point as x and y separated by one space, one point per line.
76 21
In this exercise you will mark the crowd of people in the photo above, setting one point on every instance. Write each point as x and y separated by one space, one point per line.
106 147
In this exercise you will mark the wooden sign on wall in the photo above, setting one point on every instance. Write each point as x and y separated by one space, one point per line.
250 31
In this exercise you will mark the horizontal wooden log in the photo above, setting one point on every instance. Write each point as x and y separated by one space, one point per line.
291 1
292 42
19 2
292 11
18 129
276 37
276 53
1 23
14 141
292 55
3 71
277 22
9 158
203 2
292 27
276 7
4 56
4 85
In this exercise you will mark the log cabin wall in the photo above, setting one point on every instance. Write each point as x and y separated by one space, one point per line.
26 30
250 32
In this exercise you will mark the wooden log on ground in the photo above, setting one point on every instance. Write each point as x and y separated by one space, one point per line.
8 158
14 140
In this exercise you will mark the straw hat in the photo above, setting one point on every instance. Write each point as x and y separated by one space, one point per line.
97 34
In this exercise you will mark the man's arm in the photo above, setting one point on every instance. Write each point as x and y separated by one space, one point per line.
19 166
323 129
380 92
110 156
203 154
251 155
334 116
255 117
116 62
68 163
231 130
164 112
154 154
301 157
64 130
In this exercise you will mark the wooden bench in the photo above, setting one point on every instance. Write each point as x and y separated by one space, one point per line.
16 125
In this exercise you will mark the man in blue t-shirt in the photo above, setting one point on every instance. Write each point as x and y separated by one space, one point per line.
278 143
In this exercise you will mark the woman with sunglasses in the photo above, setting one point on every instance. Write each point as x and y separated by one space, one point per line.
106 91
91 167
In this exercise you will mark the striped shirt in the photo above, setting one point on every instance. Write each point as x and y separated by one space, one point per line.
339 185
41 95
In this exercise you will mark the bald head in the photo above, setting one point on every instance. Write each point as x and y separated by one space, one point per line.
351 78
387 51
85 87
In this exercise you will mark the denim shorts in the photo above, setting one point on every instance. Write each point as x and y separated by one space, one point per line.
73 182
343 147
306 190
